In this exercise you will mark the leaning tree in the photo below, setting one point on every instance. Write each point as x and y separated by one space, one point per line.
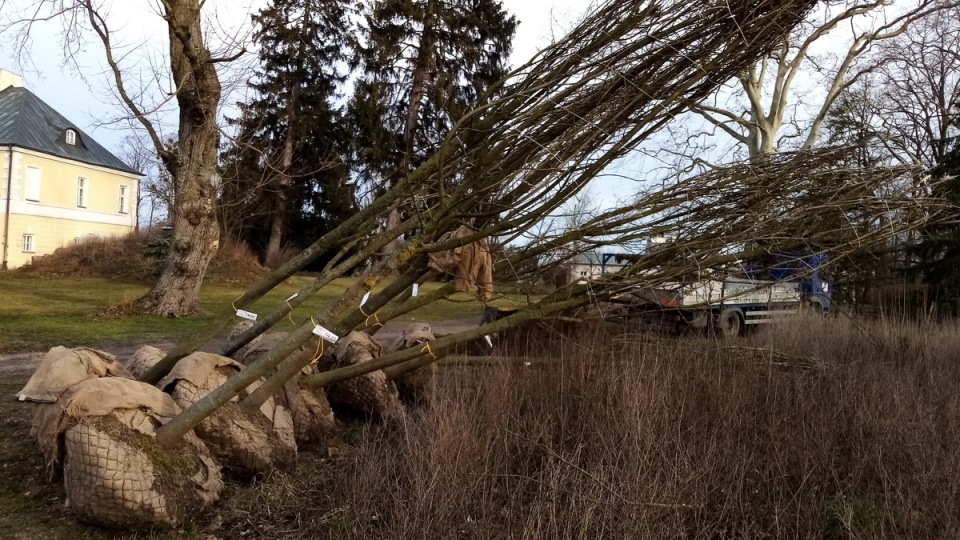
524 150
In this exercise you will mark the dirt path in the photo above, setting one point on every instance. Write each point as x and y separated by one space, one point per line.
16 365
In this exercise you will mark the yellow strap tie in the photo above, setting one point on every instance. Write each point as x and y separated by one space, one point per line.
234 303
289 312
374 315
319 345
319 350
426 348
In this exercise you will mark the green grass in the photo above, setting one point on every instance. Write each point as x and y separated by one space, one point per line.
37 313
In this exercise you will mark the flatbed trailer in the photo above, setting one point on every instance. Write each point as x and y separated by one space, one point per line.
732 301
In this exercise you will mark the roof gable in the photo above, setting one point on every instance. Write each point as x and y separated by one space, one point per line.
26 121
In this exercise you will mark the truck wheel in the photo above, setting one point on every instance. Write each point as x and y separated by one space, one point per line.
729 324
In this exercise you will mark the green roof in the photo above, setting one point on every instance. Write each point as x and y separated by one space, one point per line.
27 122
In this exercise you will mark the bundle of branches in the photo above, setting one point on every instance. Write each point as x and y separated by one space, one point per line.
732 214
583 103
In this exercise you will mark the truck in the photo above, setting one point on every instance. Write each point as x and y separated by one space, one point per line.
729 300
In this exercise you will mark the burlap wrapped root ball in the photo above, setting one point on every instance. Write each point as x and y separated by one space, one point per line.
144 359
313 420
60 369
114 472
417 386
245 445
370 396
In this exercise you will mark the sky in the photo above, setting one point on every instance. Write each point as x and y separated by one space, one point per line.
83 93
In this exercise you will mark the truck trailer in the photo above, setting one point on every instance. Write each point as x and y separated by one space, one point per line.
728 300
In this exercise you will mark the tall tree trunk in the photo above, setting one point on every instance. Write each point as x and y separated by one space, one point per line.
193 165
421 75
277 218
282 178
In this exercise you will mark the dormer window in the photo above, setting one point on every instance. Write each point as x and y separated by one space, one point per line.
71 137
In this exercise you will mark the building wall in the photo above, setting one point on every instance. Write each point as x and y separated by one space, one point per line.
57 218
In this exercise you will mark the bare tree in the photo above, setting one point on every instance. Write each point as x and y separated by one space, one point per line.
918 104
761 109
580 105
192 163
155 193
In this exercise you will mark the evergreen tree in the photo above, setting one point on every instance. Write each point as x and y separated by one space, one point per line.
424 64
938 251
286 176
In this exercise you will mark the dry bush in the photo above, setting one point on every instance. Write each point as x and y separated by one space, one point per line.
809 429
234 264
116 258
137 258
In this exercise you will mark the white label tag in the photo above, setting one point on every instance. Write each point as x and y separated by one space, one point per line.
325 334
489 341
246 315
416 289
292 296
364 299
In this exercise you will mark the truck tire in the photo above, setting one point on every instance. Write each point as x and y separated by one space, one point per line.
730 323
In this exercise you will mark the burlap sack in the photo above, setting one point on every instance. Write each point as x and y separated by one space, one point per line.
417 386
471 264
244 445
143 360
371 395
62 368
114 472
313 420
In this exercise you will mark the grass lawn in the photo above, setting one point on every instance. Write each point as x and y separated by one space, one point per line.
37 313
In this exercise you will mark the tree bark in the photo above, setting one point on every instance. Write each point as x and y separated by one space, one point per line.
193 165
277 217
282 182
418 85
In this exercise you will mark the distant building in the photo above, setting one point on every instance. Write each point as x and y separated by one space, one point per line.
590 265
57 185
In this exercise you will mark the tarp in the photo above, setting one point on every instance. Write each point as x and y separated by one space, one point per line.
471 264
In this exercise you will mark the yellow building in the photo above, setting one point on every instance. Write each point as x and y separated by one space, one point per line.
57 185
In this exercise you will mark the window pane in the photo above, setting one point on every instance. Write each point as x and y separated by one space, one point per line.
81 191
32 187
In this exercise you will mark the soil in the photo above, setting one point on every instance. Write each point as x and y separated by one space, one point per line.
15 365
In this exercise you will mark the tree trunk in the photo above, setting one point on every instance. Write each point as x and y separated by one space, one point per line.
193 166
277 217
417 89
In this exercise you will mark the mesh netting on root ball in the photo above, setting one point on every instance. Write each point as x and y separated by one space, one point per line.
144 359
415 386
371 395
313 420
114 472
244 444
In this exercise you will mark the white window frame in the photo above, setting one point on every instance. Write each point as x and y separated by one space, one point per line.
28 194
71 137
83 191
124 196
29 243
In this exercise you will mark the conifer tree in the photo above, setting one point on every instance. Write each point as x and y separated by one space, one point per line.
287 179
423 64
